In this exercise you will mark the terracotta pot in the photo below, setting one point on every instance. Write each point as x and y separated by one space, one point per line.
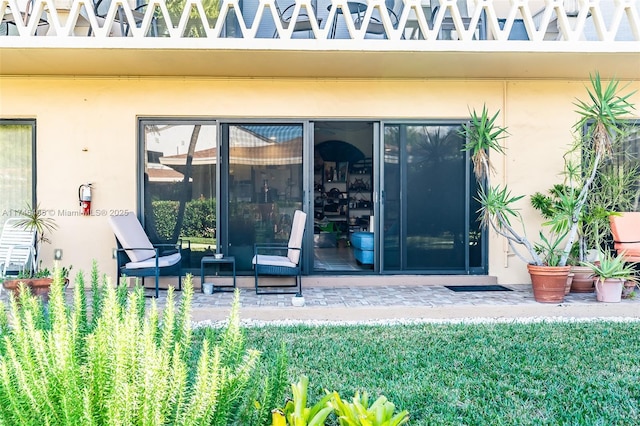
567 288
628 289
609 290
582 280
548 282
38 286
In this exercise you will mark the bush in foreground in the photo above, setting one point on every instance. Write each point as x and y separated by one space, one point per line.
122 365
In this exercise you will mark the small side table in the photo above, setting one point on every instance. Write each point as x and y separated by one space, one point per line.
229 260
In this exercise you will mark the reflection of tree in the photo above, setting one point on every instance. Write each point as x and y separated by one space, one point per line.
185 193
194 26
435 182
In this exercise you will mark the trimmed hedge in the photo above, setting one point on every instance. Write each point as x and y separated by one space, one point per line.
199 218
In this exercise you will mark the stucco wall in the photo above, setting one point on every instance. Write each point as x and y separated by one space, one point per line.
86 132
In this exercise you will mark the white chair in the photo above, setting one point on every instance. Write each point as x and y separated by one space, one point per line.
17 248
137 257
265 262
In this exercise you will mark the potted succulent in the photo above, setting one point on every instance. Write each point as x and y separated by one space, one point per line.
610 273
598 124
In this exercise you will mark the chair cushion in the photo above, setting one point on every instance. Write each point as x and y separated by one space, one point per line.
163 262
130 234
283 261
295 239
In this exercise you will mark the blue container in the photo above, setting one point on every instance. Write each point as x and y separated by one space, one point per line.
362 243
362 240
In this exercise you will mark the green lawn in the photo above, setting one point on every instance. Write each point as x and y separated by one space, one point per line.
582 373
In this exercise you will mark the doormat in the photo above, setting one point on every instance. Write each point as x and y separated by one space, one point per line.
461 288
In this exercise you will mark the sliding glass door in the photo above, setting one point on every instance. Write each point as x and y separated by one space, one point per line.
179 186
429 221
263 185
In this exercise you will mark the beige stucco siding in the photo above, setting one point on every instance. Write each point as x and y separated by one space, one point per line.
87 132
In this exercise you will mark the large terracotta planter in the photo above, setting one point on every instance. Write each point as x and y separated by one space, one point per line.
39 286
548 282
609 290
582 280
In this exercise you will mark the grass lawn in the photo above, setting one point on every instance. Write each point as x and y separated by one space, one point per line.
582 373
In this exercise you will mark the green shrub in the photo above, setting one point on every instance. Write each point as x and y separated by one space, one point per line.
199 218
165 214
125 365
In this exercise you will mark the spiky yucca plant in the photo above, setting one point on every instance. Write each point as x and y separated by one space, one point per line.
119 365
599 122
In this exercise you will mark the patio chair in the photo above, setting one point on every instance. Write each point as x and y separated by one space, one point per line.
625 229
17 248
24 16
302 22
122 21
266 261
448 28
375 26
137 257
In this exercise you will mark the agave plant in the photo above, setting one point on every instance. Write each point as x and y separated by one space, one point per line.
611 266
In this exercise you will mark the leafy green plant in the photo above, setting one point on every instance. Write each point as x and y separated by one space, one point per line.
36 219
599 121
359 413
296 412
44 272
550 248
122 365
611 266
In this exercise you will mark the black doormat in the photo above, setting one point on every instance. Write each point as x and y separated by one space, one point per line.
460 288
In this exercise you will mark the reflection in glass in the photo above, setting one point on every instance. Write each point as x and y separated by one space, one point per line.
16 166
427 224
265 186
180 188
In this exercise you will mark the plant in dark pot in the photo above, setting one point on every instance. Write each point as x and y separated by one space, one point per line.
610 273
597 125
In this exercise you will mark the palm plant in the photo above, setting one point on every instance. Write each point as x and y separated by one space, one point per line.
37 219
598 125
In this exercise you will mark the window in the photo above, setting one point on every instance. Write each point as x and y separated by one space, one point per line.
17 166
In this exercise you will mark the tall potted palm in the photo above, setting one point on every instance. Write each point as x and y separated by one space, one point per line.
598 123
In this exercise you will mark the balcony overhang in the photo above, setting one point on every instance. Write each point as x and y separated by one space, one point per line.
37 56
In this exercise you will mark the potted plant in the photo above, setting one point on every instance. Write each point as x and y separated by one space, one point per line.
38 280
610 273
596 127
614 189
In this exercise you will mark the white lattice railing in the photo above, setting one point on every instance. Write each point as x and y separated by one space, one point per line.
412 21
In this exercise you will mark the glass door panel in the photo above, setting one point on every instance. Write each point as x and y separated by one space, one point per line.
179 187
426 199
264 185
343 180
